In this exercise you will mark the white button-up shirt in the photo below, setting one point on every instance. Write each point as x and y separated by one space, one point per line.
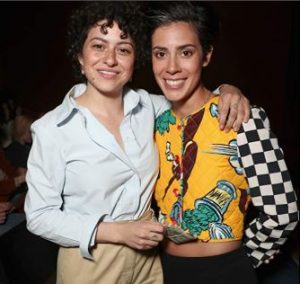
78 174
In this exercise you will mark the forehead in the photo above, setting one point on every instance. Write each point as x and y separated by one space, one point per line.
175 33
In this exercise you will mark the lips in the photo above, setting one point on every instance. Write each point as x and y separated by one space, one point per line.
108 74
174 83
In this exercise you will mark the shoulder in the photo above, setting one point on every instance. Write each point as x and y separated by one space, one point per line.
258 113
255 131
48 121
57 115
151 98
156 103
258 119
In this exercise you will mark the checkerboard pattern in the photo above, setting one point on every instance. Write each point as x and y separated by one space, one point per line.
270 188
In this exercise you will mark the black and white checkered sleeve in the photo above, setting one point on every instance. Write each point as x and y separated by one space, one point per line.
270 188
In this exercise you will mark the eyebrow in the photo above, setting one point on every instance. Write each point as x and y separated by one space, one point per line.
179 47
106 41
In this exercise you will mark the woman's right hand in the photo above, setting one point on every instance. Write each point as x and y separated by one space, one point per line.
141 235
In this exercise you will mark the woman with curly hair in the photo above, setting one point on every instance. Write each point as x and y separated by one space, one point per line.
93 162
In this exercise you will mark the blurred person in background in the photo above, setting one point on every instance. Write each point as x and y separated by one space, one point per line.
17 148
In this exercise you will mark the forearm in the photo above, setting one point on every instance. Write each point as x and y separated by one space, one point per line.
141 235
65 229
109 232
262 241
47 216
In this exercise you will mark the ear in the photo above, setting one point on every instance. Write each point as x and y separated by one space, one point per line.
80 60
208 57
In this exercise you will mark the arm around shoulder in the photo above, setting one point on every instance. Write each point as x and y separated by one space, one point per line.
160 104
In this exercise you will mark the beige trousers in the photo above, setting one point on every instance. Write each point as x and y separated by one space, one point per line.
113 264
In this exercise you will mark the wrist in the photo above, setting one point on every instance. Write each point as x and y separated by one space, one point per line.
109 232
219 89
222 86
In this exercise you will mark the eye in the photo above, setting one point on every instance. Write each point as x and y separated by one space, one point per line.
187 53
159 54
124 51
98 46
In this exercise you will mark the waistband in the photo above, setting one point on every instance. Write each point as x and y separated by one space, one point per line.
217 259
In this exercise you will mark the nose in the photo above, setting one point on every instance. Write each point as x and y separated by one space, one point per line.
110 58
173 66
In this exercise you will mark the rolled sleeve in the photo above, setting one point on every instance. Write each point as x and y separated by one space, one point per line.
88 236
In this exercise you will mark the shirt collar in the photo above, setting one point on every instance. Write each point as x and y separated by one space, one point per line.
69 107
131 100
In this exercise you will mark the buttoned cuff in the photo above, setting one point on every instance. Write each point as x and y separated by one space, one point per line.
93 238
88 233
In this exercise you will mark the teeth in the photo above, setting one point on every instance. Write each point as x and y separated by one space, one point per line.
174 82
108 72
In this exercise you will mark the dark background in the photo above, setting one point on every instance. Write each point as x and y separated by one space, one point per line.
257 51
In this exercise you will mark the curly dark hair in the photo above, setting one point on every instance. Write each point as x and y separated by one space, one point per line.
129 16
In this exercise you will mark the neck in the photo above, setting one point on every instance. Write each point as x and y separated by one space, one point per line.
101 104
192 103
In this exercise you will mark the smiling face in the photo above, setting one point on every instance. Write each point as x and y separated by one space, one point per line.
107 60
177 62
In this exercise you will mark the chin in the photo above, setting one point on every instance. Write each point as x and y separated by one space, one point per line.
173 97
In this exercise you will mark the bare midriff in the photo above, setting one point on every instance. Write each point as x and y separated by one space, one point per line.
199 248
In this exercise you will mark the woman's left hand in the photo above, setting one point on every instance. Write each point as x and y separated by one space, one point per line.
234 108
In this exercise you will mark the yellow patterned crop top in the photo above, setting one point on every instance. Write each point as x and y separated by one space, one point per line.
201 186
